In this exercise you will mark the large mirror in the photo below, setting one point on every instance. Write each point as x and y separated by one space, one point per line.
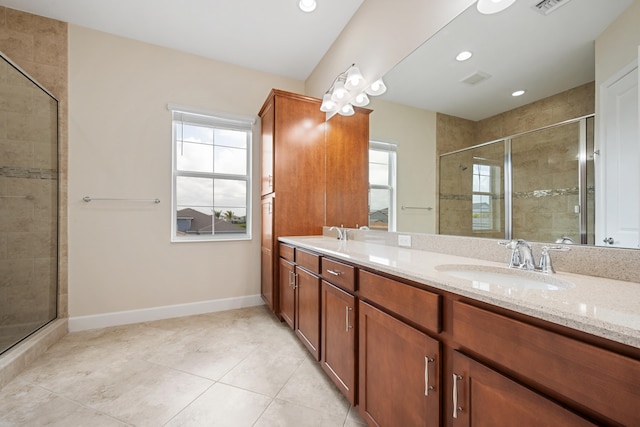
560 52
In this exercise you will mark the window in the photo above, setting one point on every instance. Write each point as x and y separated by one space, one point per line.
382 186
486 189
211 177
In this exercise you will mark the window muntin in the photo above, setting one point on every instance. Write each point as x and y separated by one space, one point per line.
382 183
485 197
211 177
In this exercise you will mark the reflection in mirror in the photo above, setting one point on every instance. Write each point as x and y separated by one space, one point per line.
532 186
471 104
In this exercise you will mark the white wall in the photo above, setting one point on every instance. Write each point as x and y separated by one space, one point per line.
414 131
380 35
120 255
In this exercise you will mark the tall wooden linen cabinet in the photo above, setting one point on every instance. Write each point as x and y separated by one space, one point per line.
313 173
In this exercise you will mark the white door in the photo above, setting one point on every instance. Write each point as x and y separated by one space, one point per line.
619 147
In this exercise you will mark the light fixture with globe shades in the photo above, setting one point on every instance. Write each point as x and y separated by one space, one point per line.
349 89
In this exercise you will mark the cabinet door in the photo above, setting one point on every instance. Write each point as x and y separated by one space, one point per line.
308 310
299 166
339 338
287 292
266 171
399 372
483 397
266 284
347 189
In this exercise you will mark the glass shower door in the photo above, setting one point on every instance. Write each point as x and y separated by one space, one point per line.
546 185
28 205
471 192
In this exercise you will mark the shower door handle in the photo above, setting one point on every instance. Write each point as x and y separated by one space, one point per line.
609 240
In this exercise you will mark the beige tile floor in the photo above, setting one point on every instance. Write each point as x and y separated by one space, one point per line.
235 368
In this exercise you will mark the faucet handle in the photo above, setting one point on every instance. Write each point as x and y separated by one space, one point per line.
515 259
545 259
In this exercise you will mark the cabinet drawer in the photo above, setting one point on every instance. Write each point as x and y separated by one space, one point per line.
287 252
308 260
417 305
339 274
593 378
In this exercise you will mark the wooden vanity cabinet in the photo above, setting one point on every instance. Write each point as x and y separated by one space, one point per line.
292 172
287 294
486 398
268 289
339 325
347 163
299 295
399 365
594 381
318 173
339 336
412 355
308 311
399 372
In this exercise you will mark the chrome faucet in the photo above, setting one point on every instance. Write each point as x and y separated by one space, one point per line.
342 232
522 256
545 259
527 261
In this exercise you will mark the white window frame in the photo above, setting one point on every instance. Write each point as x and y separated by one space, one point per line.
493 194
220 121
391 149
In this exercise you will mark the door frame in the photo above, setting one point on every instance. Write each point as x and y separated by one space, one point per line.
600 151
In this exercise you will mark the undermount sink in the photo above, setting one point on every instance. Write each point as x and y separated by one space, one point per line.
486 277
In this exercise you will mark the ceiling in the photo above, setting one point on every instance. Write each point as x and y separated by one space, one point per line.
270 36
518 48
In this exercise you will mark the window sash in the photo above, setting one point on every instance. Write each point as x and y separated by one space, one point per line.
390 151
201 118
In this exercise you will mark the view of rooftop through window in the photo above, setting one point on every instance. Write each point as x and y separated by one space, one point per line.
211 177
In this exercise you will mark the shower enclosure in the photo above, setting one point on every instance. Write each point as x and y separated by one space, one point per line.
28 205
536 186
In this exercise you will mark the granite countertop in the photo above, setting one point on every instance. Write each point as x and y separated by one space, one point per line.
603 307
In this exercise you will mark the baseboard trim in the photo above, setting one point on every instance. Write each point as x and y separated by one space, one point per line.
95 321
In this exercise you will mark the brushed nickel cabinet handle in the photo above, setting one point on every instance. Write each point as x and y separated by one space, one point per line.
456 408
427 387
347 309
335 273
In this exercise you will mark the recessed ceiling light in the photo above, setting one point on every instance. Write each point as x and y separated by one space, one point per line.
518 93
488 7
464 55
307 5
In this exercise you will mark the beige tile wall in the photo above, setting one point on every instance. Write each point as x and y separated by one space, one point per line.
38 46
537 165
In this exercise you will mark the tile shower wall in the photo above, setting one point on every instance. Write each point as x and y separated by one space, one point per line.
39 46
28 206
457 215
545 184
455 133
